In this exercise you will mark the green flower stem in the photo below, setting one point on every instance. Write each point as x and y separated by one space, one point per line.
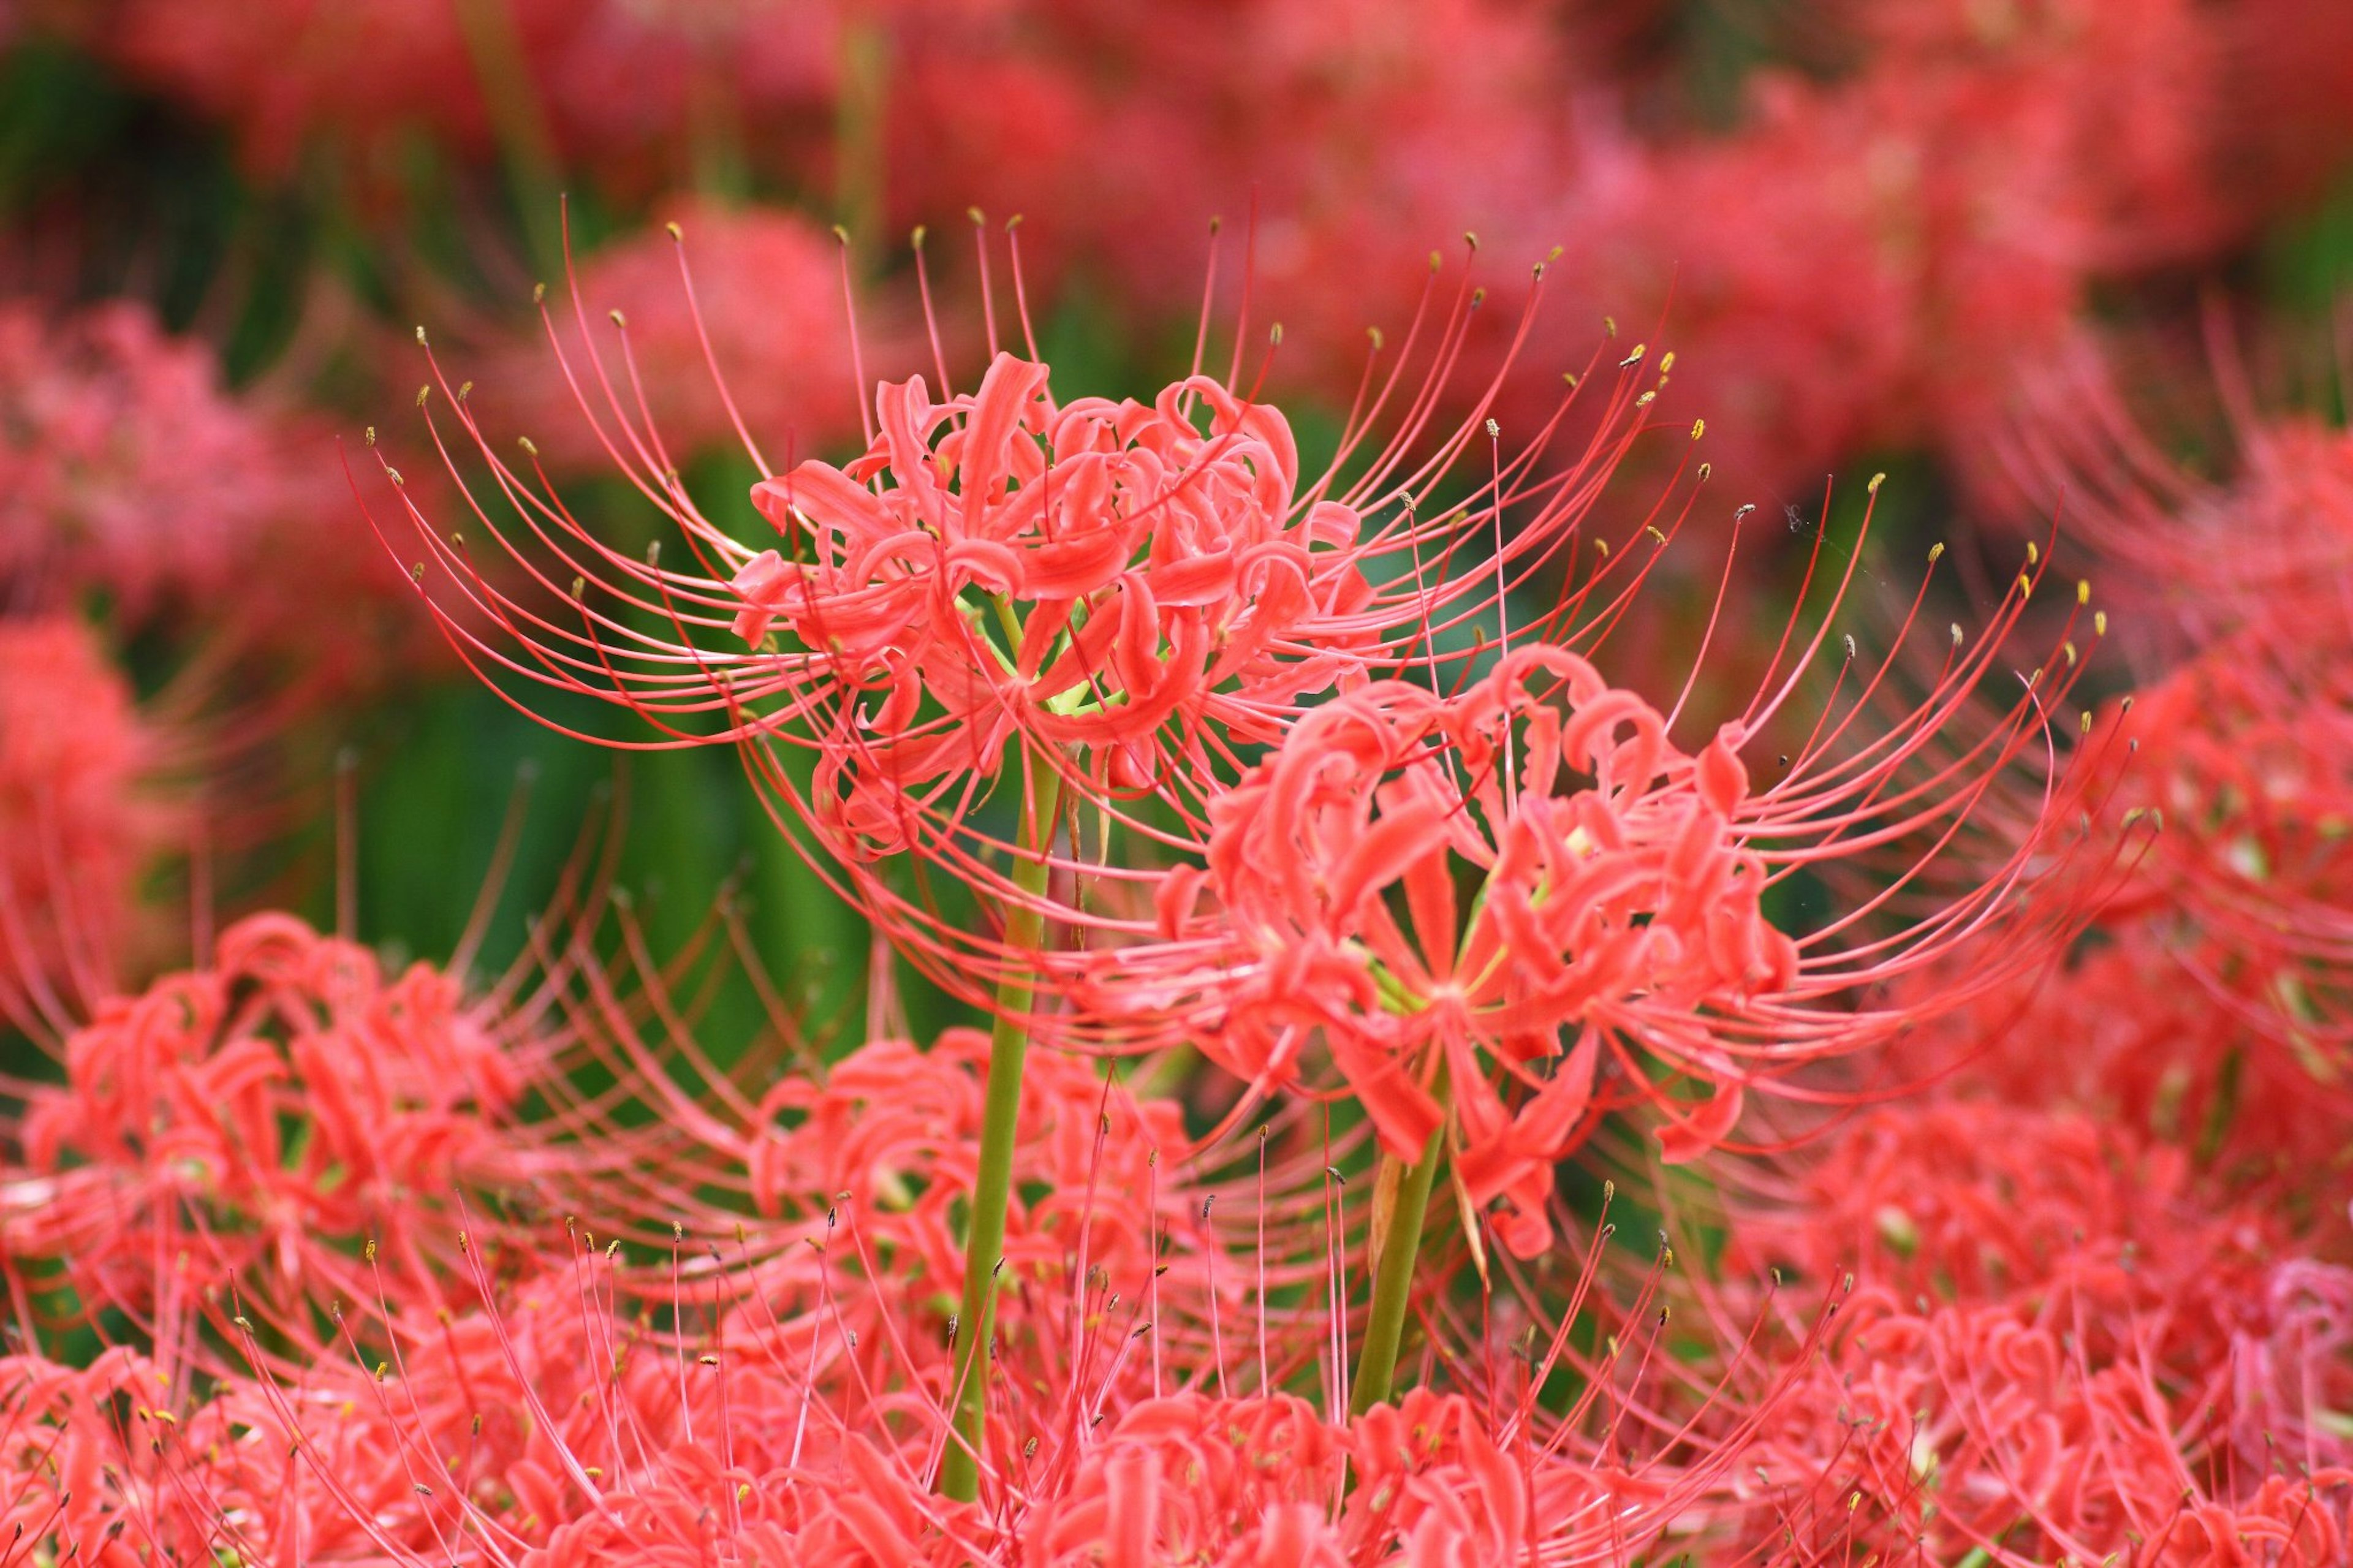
1008 1049
519 123
1393 1272
860 123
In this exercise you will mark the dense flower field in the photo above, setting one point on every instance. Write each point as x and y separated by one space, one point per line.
1281 782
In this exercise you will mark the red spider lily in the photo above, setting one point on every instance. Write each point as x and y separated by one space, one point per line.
488 1396
1976 1201
2270 547
2245 756
2208 1009
85 809
1624 909
2059 1342
1131 596
540 1426
882 1144
1159 577
1127 644
2125 1035
2215 1012
279 1107
778 1419
127 469
129 474
1643 1450
1261 1482
767 303
1980 1428
1357 131
1229 1480
1618 923
892 1131
92 1463
634 85
1865 262
1110 1233
289 1110
776 1400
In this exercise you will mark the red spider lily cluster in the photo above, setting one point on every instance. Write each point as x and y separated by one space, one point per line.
1451 977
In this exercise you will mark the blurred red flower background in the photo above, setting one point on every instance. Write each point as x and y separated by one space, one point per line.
993 781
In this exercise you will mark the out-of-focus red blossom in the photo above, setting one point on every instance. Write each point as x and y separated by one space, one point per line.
1362 133
2118 102
1868 262
128 471
1973 1200
272 1111
1879 256
2289 71
894 1132
1791 271
1980 1427
124 469
285 74
2265 551
637 87
768 289
2277 547
2123 1035
1957 188
1620 909
2055 1340
81 817
2238 786
644 91
2245 761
